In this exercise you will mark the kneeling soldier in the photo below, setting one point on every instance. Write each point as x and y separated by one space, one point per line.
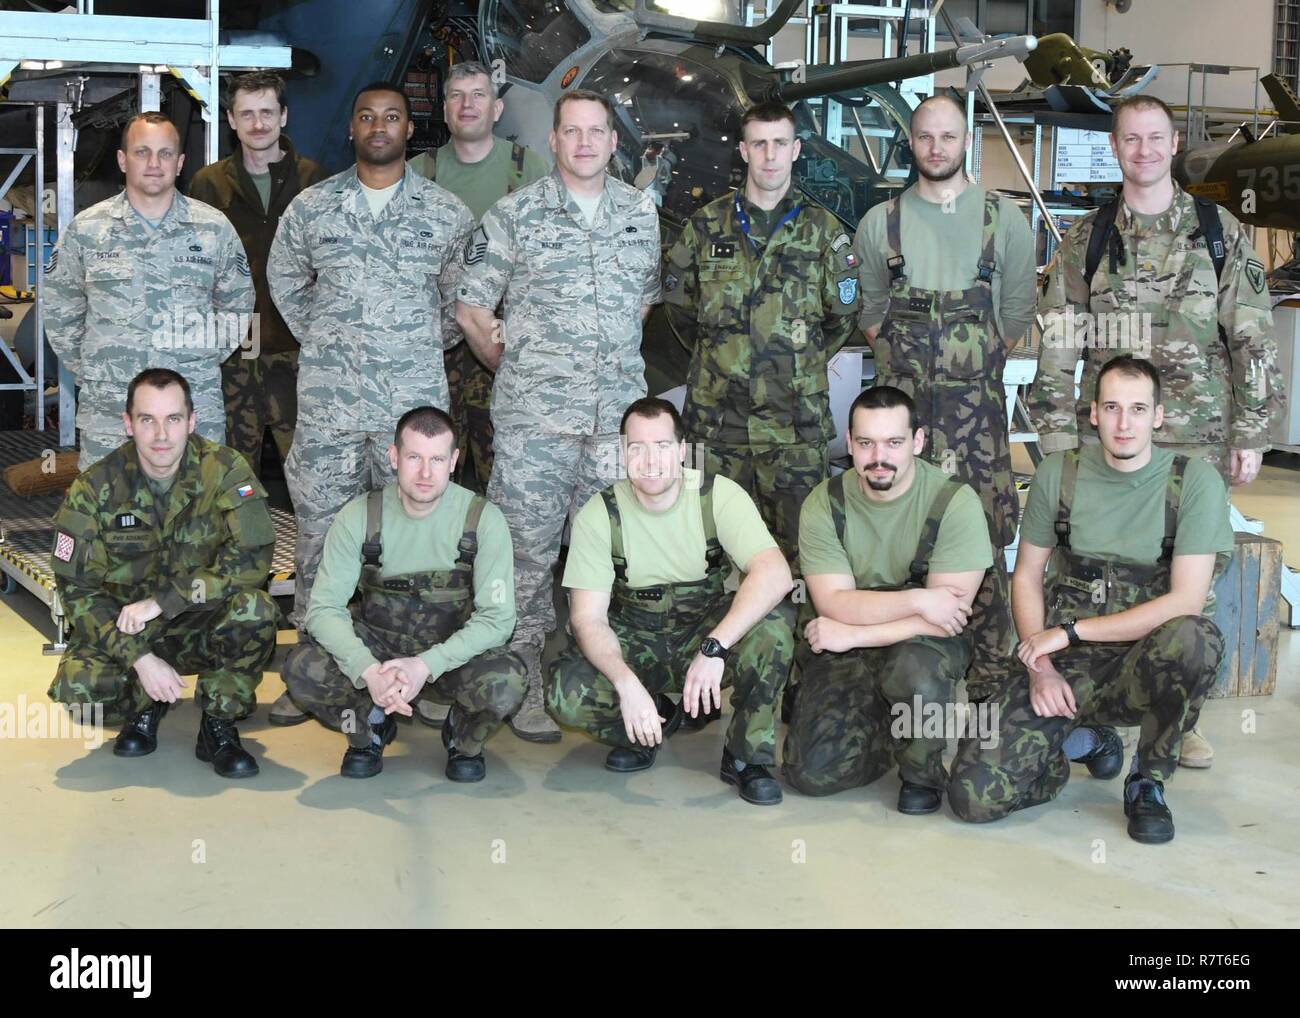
160 553
433 565
1129 535
893 554
650 615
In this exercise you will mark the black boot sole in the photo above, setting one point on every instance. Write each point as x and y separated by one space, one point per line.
202 754
1151 839
732 779
131 753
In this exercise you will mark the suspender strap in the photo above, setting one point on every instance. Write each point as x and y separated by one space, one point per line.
714 555
615 535
467 548
919 570
893 232
988 261
1069 471
372 549
1173 497
835 493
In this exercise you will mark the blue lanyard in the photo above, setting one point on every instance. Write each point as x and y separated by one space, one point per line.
743 219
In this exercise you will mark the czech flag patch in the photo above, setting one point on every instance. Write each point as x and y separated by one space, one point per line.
244 490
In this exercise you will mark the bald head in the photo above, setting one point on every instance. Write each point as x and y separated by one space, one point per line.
939 138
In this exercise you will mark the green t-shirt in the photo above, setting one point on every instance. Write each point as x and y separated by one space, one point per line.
666 547
1119 516
942 248
480 185
411 546
262 182
880 538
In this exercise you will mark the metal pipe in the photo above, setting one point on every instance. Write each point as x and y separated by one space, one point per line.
39 309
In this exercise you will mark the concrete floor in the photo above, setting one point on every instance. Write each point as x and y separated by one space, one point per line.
552 839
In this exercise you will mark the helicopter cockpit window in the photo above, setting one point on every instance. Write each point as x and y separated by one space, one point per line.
676 122
533 36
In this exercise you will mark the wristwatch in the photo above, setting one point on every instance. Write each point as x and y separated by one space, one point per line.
1068 626
710 647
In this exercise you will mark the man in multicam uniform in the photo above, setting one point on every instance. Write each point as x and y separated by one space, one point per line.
650 615
252 187
948 289
146 279
575 257
893 552
1155 292
361 268
433 566
161 551
1118 633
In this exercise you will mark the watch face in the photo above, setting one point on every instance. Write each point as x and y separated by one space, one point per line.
710 647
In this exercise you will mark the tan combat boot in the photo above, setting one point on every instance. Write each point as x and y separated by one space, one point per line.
531 722
1197 751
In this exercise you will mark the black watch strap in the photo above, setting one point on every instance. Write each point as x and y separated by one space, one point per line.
1071 634
710 647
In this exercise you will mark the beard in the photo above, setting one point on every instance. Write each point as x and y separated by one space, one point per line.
946 172
880 485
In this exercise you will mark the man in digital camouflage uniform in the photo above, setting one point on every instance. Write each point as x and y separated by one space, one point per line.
148 278
433 565
1175 279
948 288
1118 631
361 268
650 615
893 552
574 262
161 552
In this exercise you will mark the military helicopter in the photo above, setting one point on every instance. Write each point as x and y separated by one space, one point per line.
680 85
1257 179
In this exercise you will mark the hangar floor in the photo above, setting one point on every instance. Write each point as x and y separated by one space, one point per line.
552 839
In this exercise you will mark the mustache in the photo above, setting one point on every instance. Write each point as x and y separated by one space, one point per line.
881 466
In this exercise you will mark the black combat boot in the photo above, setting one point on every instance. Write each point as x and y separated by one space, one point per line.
218 744
366 763
1149 819
1107 759
139 737
918 800
755 782
460 766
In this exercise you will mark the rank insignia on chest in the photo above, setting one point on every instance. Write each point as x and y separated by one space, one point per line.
244 490
125 521
722 249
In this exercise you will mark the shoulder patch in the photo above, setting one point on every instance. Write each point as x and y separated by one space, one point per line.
1255 275
670 282
241 264
840 241
54 260
849 290
476 246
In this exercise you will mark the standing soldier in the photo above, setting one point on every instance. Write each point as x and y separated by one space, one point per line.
360 268
575 257
771 286
1175 279
253 186
433 567
479 169
160 553
947 290
146 279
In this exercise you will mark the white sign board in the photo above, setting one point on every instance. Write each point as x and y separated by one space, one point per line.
1084 157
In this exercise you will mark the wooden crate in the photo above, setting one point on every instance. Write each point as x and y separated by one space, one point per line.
1248 614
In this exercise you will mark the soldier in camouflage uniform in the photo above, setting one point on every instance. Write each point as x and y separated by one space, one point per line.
770 287
433 566
361 268
161 551
650 615
1119 632
893 553
252 187
146 279
948 289
1155 291
575 257
479 169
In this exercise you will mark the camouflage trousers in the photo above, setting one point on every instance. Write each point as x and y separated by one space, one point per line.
482 693
470 387
1156 682
99 419
992 632
840 733
755 671
539 481
325 469
227 646
777 477
260 392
